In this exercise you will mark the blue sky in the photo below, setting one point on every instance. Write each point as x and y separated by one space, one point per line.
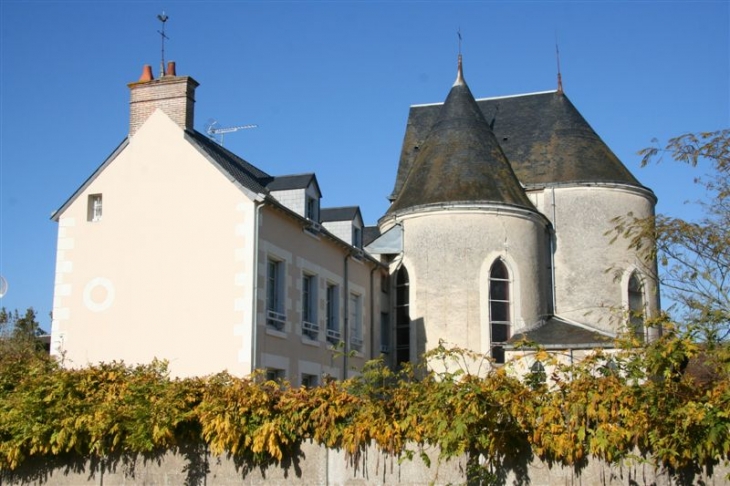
330 85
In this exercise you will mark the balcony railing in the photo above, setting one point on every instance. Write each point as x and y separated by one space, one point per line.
333 336
310 329
277 320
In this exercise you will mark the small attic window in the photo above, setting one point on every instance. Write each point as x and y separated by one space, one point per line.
311 211
93 211
357 237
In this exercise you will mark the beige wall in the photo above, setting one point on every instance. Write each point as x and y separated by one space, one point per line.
166 272
283 239
589 269
448 255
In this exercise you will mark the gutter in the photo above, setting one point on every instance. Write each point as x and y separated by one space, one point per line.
346 321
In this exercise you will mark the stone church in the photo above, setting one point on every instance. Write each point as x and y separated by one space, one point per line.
176 248
497 230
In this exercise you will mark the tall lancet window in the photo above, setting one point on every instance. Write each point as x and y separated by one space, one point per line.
499 309
636 306
402 318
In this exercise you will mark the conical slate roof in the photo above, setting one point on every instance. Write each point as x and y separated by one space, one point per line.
543 135
460 160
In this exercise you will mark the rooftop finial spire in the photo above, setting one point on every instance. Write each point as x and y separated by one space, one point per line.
162 18
557 57
459 70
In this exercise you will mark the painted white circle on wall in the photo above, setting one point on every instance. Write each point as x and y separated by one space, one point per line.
98 294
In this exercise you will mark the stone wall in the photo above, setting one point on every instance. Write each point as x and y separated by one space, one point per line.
314 465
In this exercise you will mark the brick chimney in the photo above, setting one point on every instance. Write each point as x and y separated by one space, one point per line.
175 95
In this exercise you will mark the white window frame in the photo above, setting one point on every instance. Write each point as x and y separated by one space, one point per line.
311 208
275 312
95 208
636 313
356 236
356 338
509 302
333 313
310 325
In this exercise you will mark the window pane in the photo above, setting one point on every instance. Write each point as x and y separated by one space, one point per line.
500 333
498 354
500 311
499 289
499 271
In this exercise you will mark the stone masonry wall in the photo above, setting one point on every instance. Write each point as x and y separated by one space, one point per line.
315 465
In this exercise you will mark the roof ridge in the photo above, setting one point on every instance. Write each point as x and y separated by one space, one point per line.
490 98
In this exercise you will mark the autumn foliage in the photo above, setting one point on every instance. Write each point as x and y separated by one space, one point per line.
648 405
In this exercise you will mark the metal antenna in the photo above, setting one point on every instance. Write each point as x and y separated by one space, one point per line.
212 130
458 32
162 18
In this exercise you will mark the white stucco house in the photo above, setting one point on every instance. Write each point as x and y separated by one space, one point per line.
175 248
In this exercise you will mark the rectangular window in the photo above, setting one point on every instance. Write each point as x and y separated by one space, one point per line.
312 209
309 381
333 309
384 332
356 237
274 374
310 327
275 316
94 208
355 322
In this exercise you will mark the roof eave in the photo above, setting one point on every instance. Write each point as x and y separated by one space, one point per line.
56 215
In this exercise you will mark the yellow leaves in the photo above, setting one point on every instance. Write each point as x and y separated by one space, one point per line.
114 408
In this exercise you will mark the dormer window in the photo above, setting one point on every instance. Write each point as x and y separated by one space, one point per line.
311 211
357 237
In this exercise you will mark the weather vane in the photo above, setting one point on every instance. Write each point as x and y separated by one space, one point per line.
162 18
557 57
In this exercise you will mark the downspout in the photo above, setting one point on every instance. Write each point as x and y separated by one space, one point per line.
346 330
254 294
551 239
372 314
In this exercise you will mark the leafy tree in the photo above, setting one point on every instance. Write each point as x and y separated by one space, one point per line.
19 345
693 255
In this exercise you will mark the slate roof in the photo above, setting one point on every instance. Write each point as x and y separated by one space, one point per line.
556 332
460 160
344 213
288 182
370 234
248 175
544 137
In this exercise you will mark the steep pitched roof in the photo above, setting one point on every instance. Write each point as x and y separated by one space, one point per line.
294 181
370 234
543 135
344 213
248 175
460 160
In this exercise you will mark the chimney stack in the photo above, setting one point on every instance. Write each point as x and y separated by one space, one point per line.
175 95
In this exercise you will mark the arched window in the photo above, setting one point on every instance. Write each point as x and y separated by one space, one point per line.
402 317
538 376
636 306
499 309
